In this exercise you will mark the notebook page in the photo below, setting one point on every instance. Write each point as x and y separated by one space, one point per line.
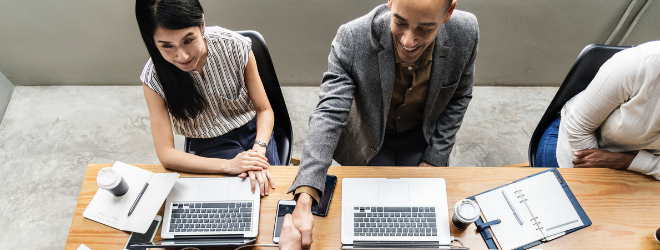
548 201
509 233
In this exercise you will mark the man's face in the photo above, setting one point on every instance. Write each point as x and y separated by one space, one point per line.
415 24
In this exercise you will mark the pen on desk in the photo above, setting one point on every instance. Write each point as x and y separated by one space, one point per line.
138 199
513 209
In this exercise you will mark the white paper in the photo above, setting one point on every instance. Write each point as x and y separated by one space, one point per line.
545 200
152 199
83 247
509 233
112 211
548 201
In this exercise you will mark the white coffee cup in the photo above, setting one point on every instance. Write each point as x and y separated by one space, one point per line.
466 211
657 235
110 179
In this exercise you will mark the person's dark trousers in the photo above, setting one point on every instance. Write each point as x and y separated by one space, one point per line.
546 153
229 145
401 148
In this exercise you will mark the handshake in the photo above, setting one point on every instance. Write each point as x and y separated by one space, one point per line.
290 237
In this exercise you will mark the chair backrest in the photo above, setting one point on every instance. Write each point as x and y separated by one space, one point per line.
583 71
283 132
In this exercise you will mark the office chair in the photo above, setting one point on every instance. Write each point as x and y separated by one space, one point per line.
583 71
283 133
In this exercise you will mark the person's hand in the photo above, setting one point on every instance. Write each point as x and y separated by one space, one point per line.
290 237
263 178
425 164
303 219
246 161
259 149
600 158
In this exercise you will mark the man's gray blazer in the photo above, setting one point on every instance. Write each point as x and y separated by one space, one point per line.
355 95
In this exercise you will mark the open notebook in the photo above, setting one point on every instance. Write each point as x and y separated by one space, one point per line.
531 210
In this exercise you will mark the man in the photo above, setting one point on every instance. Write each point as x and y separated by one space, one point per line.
398 83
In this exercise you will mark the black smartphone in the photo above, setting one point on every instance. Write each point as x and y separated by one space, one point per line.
284 207
322 208
137 238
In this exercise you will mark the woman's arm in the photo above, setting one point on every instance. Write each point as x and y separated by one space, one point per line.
265 120
586 112
161 130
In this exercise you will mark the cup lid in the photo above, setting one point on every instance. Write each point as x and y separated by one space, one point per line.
467 210
108 178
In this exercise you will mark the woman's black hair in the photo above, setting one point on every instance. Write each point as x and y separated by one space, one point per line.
181 96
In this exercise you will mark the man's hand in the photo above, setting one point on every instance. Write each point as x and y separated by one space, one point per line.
303 219
425 164
290 238
600 158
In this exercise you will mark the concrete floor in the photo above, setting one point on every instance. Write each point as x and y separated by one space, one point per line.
50 134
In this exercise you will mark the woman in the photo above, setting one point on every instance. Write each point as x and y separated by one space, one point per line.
615 121
206 80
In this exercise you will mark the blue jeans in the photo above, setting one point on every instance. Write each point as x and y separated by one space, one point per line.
546 153
232 143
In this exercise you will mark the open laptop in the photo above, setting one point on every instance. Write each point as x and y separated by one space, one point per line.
210 212
379 213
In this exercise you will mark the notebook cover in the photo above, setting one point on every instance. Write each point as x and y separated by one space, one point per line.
488 237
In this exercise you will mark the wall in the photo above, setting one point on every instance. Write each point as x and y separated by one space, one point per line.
82 42
6 89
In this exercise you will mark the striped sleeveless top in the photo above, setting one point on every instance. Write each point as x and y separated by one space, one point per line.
223 86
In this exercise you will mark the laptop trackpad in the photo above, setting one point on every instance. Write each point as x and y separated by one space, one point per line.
393 191
213 189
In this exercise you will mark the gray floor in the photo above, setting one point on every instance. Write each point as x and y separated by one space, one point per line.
50 134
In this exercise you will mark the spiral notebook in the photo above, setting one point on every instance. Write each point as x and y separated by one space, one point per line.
529 211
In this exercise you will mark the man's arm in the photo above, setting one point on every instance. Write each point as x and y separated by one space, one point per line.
330 115
325 125
450 119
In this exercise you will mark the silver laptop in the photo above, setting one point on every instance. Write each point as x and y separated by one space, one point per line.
211 212
380 213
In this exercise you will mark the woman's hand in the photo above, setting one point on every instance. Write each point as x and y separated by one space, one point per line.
600 158
259 149
246 161
263 178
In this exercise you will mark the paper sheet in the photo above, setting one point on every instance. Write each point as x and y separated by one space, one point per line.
112 211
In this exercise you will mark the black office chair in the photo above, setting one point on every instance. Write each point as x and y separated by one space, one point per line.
583 71
283 132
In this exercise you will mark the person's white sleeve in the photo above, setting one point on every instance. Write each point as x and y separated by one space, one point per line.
646 163
582 115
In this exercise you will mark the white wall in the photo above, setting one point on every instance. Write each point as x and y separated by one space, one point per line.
6 89
91 42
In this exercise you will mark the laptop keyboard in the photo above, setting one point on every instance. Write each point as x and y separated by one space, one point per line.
394 221
211 217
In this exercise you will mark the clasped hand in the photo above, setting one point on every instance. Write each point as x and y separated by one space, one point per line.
600 158
253 163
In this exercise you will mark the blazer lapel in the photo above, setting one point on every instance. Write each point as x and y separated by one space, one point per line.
440 53
386 63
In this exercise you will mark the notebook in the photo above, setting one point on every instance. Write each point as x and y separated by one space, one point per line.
113 211
530 211
379 213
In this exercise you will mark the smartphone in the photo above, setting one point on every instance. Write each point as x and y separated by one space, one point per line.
283 207
324 205
136 238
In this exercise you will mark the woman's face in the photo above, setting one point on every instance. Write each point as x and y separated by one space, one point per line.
185 48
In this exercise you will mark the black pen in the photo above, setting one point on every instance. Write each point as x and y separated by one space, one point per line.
138 198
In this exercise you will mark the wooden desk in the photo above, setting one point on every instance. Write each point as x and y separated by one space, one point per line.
623 206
